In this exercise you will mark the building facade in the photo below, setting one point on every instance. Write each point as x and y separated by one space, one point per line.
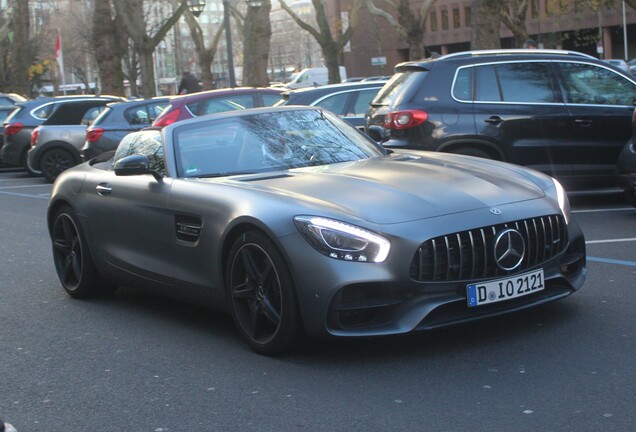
376 46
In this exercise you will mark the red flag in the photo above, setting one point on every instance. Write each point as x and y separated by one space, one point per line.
59 56
58 46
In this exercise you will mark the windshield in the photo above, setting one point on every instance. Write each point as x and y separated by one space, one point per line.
268 142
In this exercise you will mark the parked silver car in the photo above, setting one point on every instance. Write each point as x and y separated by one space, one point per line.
56 144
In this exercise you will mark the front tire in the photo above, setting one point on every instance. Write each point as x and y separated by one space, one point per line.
262 295
72 258
55 161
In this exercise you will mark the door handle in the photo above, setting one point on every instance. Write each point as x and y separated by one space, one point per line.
583 122
103 189
494 120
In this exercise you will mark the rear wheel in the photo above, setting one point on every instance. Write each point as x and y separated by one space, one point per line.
55 161
262 295
72 257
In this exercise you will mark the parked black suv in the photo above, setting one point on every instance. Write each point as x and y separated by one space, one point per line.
561 112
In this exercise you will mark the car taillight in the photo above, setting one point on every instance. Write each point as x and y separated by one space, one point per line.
13 128
405 119
34 136
93 134
169 118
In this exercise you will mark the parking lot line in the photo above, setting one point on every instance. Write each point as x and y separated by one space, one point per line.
619 240
46 197
612 261
24 186
604 210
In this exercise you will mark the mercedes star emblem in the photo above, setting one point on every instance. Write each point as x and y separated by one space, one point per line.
510 248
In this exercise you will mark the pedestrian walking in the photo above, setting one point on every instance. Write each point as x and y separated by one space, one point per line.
189 83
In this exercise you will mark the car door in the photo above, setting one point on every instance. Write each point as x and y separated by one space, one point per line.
601 104
519 107
129 221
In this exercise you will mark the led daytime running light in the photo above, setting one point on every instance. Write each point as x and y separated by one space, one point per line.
318 224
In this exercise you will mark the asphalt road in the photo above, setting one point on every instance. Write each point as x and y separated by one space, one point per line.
133 362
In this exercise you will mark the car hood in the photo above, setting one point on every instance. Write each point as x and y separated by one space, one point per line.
404 187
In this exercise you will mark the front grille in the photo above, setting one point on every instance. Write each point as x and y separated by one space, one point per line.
470 254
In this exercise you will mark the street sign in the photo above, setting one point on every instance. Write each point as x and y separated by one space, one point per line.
378 61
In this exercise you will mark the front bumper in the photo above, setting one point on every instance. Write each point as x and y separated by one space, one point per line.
14 147
372 299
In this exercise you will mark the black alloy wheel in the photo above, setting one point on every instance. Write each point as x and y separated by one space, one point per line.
72 258
54 162
263 301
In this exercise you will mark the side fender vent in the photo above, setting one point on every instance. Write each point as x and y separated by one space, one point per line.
188 228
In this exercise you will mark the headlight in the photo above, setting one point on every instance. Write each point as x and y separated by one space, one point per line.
342 241
559 195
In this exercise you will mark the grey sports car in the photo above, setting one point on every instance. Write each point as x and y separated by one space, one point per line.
303 227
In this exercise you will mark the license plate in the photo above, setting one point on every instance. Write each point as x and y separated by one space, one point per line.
504 289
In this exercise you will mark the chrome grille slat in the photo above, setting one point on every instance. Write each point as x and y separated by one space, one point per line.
473 261
467 255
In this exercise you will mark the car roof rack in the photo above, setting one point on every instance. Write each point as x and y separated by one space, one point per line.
514 51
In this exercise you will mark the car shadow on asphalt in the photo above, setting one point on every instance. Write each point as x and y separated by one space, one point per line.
515 328
520 327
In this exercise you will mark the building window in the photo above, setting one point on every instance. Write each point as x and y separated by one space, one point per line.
467 17
456 19
433 19
445 19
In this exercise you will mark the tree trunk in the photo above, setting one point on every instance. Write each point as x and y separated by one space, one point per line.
416 51
20 55
206 55
205 63
485 24
513 16
147 71
331 46
332 60
133 19
108 53
257 33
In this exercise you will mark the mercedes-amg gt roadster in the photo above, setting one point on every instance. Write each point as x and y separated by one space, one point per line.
302 227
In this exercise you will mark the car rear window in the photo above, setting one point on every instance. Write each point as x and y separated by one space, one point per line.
5 114
398 85
103 116
13 114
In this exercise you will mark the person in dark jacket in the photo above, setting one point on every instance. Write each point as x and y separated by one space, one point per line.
189 84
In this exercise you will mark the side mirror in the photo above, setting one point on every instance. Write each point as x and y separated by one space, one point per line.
134 165
378 133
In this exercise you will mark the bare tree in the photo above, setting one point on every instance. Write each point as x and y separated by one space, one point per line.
409 25
330 45
109 42
134 23
513 15
257 33
486 22
206 55
20 55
